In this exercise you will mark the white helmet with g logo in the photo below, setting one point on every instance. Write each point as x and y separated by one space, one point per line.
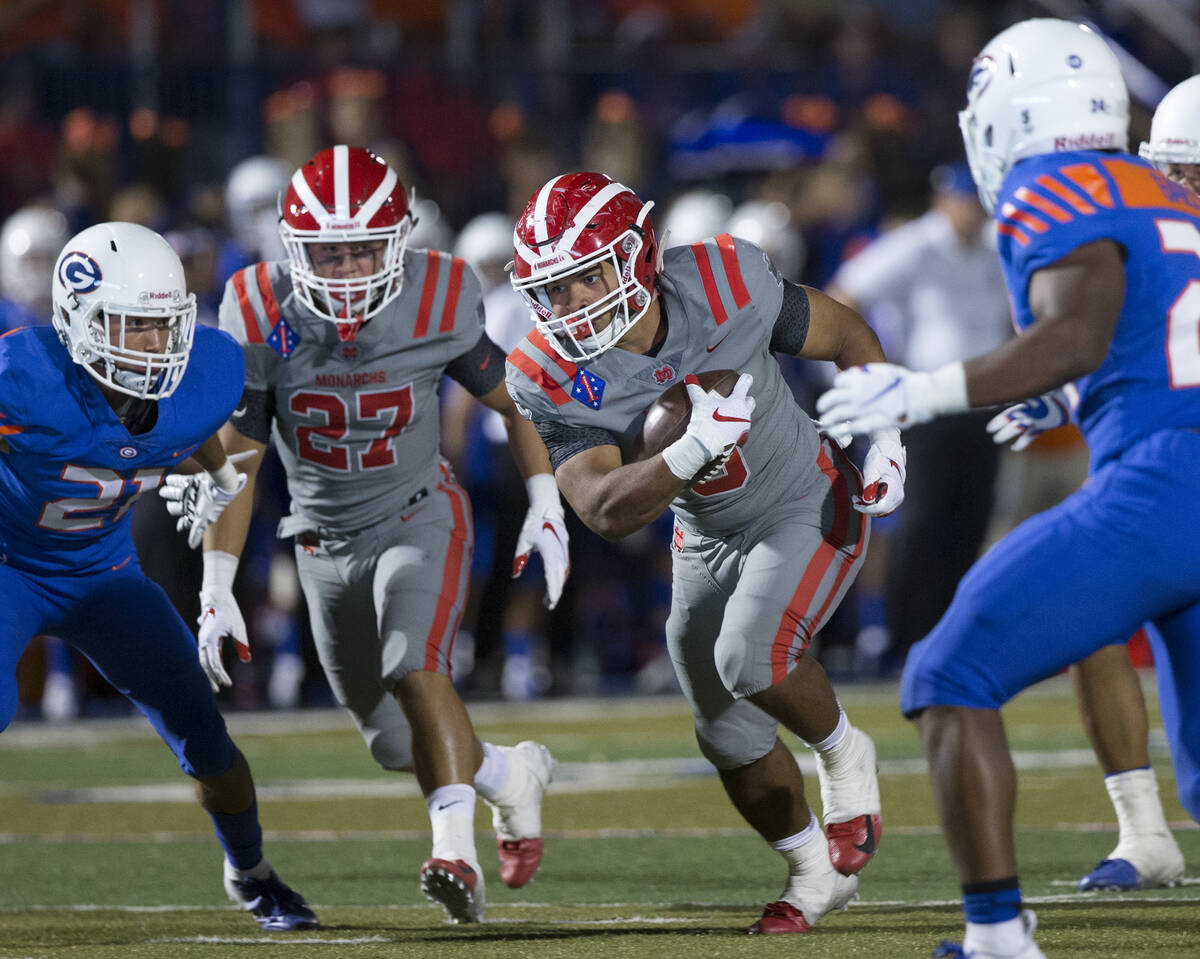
1041 86
105 277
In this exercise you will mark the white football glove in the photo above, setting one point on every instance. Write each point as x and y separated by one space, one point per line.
197 500
877 396
717 424
220 617
883 475
1026 421
545 531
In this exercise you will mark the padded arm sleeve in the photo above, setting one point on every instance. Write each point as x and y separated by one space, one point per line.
481 369
791 326
254 414
563 442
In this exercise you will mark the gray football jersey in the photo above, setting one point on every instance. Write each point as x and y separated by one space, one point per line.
721 298
356 424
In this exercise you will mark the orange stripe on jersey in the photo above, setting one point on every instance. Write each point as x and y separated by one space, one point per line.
445 626
1007 229
733 272
253 334
710 283
1140 186
1042 205
433 266
16 329
268 295
452 291
539 376
11 430
1027 220
543 345
1088 178
1066 194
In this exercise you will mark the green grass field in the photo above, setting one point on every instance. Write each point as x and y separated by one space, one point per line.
106 855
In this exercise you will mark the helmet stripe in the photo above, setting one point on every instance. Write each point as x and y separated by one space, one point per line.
378 198
341 182
590 209
304 191
541 201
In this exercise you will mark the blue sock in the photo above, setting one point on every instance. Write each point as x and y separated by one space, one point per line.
995 901
240 836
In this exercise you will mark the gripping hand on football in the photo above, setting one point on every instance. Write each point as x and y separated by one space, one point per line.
717 424
1026 421
545 531
883 475
877 396
220 617
200 498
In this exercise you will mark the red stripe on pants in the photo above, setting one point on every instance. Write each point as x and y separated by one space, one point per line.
445 625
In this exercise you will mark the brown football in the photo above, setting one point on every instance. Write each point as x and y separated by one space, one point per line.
668 415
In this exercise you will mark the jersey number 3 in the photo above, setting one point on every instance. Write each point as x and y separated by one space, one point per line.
384 412
1183 318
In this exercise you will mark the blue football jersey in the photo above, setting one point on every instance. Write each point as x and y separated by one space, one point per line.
70 470
1054 203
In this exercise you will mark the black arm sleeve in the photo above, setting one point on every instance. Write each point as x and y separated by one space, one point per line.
563 442
254 414
791 326
481 369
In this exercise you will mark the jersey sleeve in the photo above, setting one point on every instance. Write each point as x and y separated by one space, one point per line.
481 369
223 368
14 397
247 309
539 381
1053 204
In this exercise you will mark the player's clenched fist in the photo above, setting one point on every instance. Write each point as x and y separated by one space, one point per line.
717 424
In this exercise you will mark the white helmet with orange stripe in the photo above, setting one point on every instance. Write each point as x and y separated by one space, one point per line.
573 224
1041 86
345 225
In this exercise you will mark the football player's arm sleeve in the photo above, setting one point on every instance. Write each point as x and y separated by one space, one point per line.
481 369
254 414
791 326
563 442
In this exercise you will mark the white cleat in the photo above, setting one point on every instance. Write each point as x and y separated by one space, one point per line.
517 811
1027 950
850 806
1142 862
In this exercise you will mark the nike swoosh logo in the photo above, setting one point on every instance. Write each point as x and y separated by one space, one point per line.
239 412
709 349
456 802
405 517
486 360
868 844
553 531
721 418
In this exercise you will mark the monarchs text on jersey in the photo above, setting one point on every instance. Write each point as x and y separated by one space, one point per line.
1053 204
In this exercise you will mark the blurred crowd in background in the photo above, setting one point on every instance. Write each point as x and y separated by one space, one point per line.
811 127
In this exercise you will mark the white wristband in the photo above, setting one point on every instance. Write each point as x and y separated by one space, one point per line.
220 568
543 492
948 389
686 456
226 477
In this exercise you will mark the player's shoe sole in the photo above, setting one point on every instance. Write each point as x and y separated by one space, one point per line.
456 886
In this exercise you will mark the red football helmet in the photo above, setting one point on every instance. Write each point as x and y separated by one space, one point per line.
345 195
572 223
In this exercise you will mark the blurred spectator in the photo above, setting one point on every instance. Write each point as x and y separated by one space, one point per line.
934 292
694 215
252 195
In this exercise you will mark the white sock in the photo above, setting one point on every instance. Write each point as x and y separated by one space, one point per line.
835 738
803 855
452 816
261 871
1134 795
492 772
1006 938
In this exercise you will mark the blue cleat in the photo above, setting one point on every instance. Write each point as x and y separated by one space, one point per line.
274 905
948 950
1114 874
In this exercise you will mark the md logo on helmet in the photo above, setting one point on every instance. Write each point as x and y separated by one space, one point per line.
79 273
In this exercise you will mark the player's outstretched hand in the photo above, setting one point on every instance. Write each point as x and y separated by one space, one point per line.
220 617
883 475
544 531
1026 421
877 396
717 424
198 501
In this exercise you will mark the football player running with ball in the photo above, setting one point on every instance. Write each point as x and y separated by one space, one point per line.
768 534
345 344
1101 254
95 409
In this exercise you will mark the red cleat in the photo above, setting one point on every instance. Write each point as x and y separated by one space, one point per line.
780 917
456 885
853 843
519 860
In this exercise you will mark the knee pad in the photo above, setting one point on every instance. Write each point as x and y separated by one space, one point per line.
387 734
740 735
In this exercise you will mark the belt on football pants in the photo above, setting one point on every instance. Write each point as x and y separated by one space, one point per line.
314 537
